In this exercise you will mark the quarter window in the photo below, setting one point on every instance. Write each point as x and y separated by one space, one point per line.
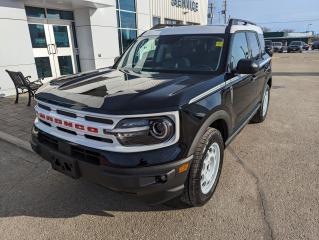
239 50
253 44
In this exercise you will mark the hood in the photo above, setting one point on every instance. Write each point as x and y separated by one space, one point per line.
111 91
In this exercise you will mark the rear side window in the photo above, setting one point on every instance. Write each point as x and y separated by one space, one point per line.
253 44
239 50
262 43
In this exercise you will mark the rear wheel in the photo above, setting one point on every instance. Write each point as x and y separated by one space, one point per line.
261 114
205 170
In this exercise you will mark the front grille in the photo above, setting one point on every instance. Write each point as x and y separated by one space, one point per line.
90 129
66 130
44 107
76 151
46 123
98 139
99 120
68 114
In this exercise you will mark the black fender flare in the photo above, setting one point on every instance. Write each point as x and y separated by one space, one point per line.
218 115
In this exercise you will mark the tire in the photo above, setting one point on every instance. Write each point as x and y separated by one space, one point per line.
195 193
262 112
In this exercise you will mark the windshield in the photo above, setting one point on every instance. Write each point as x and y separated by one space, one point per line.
277 44
296 43
174 53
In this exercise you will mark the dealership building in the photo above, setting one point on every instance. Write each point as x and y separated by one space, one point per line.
51 38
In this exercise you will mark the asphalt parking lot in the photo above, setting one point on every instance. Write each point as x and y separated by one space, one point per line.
269 188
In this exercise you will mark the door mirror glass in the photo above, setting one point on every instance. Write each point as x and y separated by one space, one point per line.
247 66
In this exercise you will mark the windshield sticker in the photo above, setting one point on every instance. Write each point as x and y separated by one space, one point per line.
219 44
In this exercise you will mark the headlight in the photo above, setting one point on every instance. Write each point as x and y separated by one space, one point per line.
141 132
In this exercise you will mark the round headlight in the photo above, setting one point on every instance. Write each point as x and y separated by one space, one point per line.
162 129
148 131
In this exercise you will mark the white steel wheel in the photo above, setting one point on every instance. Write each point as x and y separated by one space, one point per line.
210 168
265 102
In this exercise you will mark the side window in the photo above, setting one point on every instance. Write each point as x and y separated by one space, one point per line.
239 50
253 44
262 43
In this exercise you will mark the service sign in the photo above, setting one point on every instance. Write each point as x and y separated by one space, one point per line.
187 4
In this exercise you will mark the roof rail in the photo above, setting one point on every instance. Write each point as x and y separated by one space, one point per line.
235 21
159 26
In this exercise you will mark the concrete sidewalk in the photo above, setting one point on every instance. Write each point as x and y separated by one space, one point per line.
16 119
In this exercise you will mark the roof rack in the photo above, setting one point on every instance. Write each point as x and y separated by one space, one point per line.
235 21
159 26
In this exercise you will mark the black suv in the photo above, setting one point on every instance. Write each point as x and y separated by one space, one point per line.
156 124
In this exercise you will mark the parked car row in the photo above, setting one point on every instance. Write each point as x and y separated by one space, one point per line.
295 46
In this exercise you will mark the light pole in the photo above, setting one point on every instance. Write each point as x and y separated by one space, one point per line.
308 27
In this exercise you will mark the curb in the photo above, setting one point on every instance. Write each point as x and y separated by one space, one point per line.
15 141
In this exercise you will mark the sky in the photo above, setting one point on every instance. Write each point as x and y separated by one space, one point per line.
274 14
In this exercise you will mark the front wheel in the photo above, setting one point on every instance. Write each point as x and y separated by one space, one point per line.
261 114
205 169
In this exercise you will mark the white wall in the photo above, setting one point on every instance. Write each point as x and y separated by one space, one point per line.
144 16
164 9
104 35
84 38
16 49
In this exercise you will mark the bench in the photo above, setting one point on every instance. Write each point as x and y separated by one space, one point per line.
24 85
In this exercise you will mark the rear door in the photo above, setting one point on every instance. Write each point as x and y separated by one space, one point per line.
256 55
242 86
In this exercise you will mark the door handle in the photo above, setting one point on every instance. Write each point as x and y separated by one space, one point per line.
49 49
55 49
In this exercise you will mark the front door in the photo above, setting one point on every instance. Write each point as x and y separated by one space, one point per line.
243 87
53 50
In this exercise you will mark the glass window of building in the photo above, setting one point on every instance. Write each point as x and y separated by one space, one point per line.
35 12
127 25
59 14
128 5
37 33
156 21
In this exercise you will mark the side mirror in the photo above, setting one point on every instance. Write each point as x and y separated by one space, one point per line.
247 66
269 52
116 59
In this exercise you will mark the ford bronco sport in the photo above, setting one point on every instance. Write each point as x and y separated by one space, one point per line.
156 124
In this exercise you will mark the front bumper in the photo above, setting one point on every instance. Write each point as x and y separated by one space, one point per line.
153 184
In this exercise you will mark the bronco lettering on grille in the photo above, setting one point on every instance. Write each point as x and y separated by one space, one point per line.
68 124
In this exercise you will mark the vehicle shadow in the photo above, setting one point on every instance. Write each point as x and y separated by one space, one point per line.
52 195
